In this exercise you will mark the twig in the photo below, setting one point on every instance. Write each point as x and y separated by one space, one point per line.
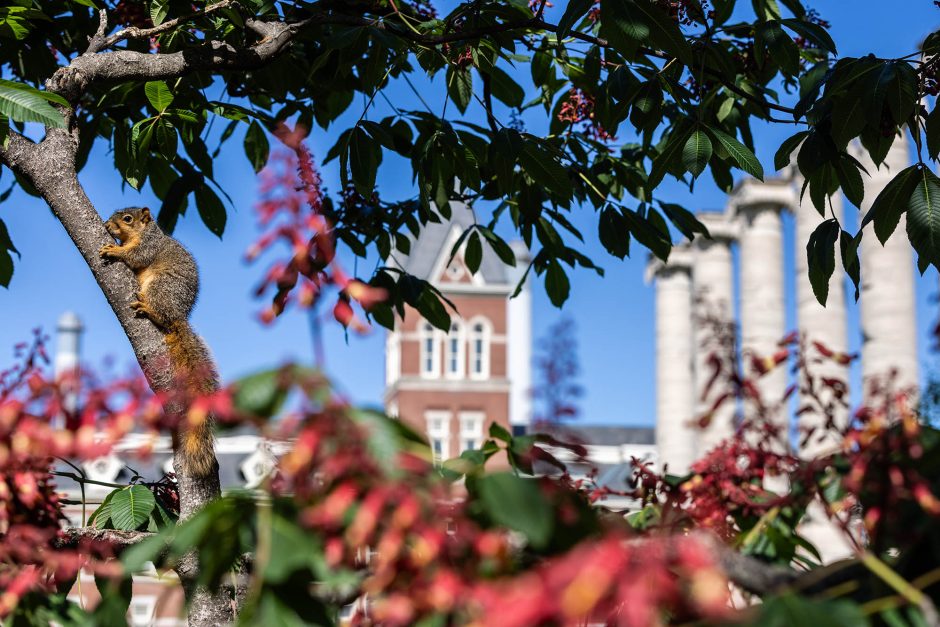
145 33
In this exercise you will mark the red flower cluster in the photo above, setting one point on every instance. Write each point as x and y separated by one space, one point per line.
579 108
291 206
30 508
426 556
615 581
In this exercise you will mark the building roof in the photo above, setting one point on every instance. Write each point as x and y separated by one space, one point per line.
436 240
610 435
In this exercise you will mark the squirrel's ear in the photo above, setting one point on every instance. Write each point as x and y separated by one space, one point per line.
145 215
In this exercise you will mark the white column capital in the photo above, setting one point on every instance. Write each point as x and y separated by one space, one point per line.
680 260
751 195
722 227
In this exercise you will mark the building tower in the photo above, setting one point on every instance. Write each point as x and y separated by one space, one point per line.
452 386
67 359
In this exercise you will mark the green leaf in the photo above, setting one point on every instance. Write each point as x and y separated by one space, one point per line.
23 103
101 517
648 235
473 254
696 153
821 257
933 132
848 116
556 283
131 507
643 22
364 159
684 220
6 268
6 259
460 87
159 95
574 12
256 146
518 504
500 433
613 232
850 179
500 247
740 154
545 170
670 154
504 88
211 210
159 10
781 48
893 201
782 158
166 139
261 394
923 218
789 610
811 32
848 246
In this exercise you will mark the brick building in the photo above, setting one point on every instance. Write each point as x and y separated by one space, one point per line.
452 386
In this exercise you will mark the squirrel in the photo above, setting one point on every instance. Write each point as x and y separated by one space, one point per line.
168 282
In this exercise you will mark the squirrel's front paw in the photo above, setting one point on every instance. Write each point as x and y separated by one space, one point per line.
109 250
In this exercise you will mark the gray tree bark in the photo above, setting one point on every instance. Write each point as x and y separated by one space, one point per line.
50 166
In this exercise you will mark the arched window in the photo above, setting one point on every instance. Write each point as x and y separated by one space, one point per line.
479 348
430 352
455 358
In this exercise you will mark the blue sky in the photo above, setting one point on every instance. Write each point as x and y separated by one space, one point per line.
613 315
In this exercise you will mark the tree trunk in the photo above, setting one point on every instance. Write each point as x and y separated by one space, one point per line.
50 167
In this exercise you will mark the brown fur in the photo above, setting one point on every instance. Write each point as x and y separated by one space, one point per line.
168 283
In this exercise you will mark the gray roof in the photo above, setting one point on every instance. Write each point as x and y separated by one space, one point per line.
599 434
433 239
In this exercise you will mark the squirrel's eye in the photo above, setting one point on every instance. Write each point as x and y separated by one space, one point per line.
128 219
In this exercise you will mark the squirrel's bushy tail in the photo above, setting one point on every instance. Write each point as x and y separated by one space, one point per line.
193 365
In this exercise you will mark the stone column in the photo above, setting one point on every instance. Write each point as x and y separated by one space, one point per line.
888 321
763 315
675 396
826 325
713 317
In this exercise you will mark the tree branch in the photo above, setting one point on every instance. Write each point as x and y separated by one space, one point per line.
120 541
145 33
123 65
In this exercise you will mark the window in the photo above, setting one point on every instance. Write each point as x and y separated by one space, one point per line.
430 352
454 363
479 349
392 358
141 610
439 434
471 430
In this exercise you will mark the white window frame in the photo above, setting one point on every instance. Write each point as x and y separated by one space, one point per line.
429 333
141 610
471 428
485 336
437 423
457 338
393 358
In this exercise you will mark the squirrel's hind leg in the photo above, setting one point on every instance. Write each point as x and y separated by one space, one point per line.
145 310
